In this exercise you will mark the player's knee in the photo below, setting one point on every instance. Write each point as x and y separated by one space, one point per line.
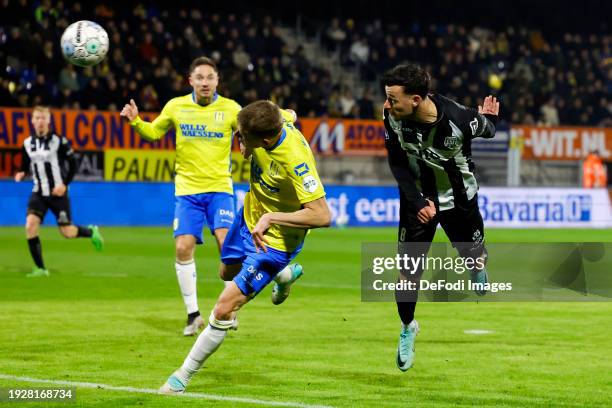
223 310
31 230
184 250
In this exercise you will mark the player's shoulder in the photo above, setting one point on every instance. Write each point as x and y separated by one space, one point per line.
294 146
288 115
228 103
177 100
62 139
452 108
27 140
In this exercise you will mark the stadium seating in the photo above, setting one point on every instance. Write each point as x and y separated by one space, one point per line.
541 79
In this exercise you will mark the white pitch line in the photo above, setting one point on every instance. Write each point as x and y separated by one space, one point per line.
79 384
478 331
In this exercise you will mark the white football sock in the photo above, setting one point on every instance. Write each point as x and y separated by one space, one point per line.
186 274
284 276
207 343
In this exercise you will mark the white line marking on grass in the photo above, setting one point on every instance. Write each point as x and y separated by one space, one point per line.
106 275
199 395
478 331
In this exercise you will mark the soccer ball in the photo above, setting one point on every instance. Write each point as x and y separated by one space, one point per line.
84 43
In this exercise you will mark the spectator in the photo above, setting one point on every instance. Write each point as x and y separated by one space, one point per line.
594 172
549 114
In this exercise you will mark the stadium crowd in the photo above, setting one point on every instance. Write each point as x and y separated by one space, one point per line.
562 80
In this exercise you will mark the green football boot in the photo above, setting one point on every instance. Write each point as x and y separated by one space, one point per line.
96 238
38 272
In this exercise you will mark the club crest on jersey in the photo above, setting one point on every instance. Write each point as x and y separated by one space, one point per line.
219 116
451 142
310 184
474 126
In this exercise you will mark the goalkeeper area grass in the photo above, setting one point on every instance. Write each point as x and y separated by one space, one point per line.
112 323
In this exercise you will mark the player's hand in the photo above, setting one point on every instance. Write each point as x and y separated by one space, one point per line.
130 111
490 106
427 213
19 176
258 233
59 190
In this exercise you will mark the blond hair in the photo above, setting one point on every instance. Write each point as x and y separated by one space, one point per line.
43 109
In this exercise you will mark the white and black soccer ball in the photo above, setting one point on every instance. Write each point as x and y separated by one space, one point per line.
85 43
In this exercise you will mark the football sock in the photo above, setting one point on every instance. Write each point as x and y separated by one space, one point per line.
406 311
191 317
84 232
186 274
284 276
36 251
207 343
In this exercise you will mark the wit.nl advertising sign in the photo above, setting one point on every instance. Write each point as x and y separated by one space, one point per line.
500 207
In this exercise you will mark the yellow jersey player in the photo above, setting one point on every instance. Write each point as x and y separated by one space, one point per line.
204 123
286 198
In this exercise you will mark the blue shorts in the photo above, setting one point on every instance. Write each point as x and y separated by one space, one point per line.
258 269
192 211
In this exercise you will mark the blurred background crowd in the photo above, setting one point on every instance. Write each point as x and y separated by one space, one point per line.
542 77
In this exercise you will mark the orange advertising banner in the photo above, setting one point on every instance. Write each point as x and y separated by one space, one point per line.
562 143
87 130
100 130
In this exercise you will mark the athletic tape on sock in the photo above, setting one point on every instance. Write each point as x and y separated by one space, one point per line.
219 324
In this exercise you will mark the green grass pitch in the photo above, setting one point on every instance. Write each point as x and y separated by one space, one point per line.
116 318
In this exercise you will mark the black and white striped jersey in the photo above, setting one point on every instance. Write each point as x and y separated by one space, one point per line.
50 159
433 160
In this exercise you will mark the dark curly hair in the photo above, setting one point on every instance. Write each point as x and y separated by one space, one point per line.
413 78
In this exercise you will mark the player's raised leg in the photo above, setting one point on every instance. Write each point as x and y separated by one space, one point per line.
60 206
77 231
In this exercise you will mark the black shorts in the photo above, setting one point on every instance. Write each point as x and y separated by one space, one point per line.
59 206
462 224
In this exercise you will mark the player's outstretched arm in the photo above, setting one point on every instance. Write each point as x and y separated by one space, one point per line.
490 110
149 130
315 214
490 106
130 111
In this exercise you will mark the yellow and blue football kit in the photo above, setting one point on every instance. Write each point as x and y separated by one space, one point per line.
203 182
283 178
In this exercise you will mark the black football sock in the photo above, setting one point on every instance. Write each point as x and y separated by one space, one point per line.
191 316
406 311
36 251
84 232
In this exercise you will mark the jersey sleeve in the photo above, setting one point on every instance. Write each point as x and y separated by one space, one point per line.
25 160
66 155
475 124
158 128
302 171
234 115
289 116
